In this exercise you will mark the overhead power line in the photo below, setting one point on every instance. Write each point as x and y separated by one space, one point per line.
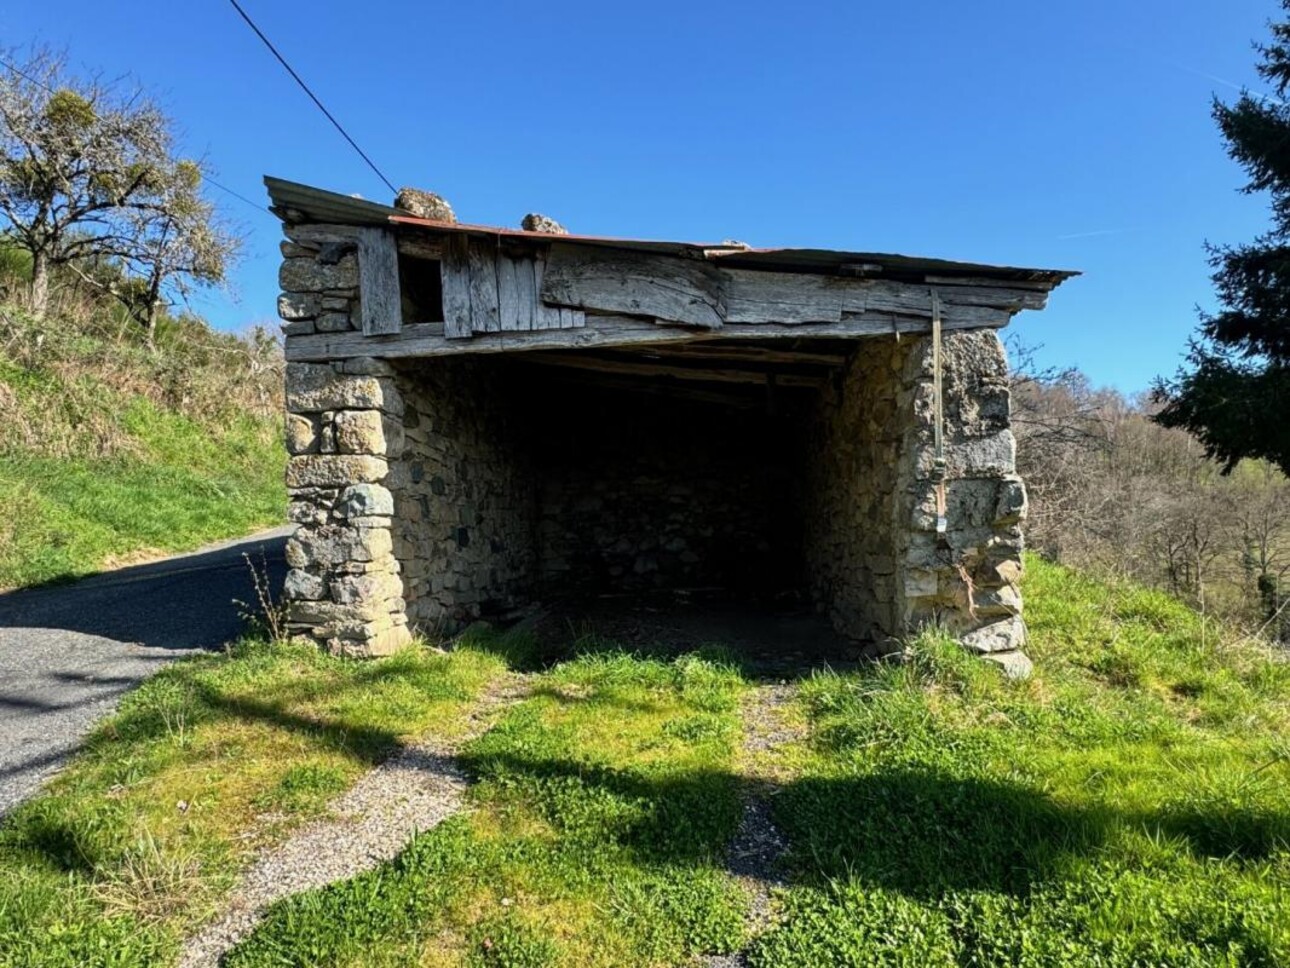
264 209
312 96
206 178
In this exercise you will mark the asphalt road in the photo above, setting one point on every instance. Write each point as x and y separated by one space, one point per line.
68 652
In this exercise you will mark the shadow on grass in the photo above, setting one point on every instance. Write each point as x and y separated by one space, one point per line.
922 833
665 821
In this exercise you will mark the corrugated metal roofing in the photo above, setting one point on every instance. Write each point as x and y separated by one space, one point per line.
295 202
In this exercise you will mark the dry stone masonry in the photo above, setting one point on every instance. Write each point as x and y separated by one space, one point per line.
480 419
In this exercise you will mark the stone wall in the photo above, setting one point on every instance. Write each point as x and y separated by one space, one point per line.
465 505
852 473
344 434
319 280
964 579
643 492
875 560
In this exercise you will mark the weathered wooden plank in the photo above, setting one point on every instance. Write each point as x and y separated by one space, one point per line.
420 248
719 349
988 283
484 309
378 281
544 316
694 374
880 296
454 271
786 297
683 291
514 293
432 339
728 395
572 318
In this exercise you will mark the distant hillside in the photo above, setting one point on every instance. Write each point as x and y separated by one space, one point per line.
111 451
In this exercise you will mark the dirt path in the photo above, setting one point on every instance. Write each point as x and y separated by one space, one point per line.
411 792
758 847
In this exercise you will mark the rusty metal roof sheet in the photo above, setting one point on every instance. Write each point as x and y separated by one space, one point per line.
295 202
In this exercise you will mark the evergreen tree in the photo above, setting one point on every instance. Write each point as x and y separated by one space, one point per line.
1234 393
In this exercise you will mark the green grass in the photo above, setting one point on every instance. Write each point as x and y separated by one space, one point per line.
109 453
206 762
1128 806
602 811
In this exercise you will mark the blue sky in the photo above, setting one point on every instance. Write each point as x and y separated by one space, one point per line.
1055 134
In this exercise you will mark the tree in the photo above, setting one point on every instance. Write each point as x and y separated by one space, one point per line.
88 173
1234 392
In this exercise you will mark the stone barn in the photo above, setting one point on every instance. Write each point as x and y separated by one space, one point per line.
481 419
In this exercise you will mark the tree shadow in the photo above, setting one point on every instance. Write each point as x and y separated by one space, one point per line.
924 833
1225 831
679 819
180 603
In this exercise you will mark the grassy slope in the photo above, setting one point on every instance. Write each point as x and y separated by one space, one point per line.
1129 806
106 868
109 450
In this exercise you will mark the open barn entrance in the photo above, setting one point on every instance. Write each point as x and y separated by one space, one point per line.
653 489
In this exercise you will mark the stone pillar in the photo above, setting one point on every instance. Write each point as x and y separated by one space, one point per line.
344 432
964 578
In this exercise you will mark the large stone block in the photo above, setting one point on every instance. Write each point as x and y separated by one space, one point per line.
1005 635
315 387
334 470
381 641
298 305
376 587
314 275
301 434
301 585
332 546
365 500
368 432
994 455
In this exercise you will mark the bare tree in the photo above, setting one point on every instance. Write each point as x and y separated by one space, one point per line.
89 172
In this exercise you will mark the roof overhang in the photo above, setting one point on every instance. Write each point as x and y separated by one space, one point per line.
297 203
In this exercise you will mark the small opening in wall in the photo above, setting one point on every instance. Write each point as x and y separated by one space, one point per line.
421 288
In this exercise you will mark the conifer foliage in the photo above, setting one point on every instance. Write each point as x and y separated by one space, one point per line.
1234 392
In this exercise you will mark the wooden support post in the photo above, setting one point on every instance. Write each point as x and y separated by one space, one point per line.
378 282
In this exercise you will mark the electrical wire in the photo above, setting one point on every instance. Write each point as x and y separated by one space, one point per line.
312 96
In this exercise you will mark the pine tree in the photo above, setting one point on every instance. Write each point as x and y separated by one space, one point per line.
1234 392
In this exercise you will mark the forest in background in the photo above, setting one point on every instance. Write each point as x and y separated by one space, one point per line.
1113 491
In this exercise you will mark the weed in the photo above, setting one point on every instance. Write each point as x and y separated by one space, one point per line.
146 883
265 618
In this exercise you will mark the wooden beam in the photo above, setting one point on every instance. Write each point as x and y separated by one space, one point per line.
722 350
378 282
682 291
433 339
738 396
645 368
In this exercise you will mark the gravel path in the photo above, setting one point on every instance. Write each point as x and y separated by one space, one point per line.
759 846
411 792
